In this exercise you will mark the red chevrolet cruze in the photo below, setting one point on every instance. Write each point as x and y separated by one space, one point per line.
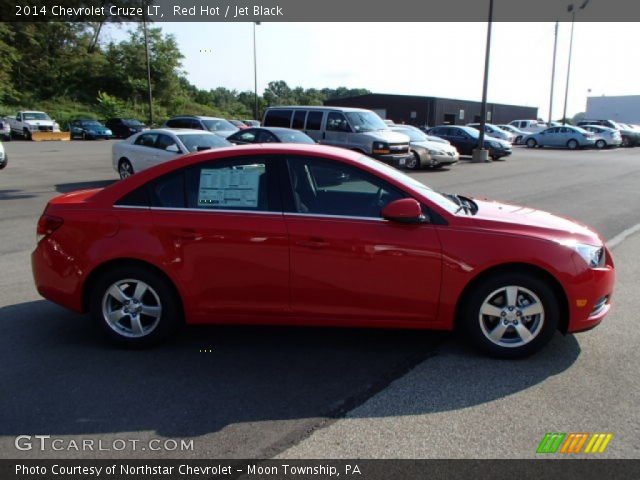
311 235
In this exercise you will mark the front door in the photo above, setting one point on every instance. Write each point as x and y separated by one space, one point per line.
348 263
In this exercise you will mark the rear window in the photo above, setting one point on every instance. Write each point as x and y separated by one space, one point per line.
278 118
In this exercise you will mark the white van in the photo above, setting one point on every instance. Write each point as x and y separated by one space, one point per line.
530 126
353 128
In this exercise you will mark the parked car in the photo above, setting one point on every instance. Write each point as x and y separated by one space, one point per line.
5 131
351 128
604 136
568 136
238 124
314 235
125 127
493 131
4 160
35 125
426 153
630 135
88 129
251 123
529 126
219 126
152 147
269 135
603 122
518 135
465 139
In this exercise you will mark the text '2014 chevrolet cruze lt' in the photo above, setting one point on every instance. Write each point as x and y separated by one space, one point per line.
316 235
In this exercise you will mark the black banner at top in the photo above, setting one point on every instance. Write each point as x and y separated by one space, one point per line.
318 10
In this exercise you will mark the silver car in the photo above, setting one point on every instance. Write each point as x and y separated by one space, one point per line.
567 136
494 131
605 136
427 153
518 135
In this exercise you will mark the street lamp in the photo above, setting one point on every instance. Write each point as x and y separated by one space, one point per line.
480 154
553 73
571 9
255 73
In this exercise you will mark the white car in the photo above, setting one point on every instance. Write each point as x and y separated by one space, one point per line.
3 157
152 147
518 135
605 136
426 152
493 131
529 126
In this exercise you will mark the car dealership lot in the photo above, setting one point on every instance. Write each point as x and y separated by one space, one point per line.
260 391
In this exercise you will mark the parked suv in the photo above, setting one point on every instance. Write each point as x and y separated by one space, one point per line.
352 128
219 126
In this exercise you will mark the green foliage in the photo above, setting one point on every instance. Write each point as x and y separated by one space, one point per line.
64 69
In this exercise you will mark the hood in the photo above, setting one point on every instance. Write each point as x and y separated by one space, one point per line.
439 146
536 222
224 133
39 122
387 136
503 143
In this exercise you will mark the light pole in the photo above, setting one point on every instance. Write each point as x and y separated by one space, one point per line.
255 73
146 52
571 9
480 154
553 72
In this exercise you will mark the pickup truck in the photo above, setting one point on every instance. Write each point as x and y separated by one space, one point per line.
34 125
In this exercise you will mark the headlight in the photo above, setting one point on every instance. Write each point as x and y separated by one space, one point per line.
436 152
381 148
593 256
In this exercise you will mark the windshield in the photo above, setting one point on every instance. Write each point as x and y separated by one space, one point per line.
131 122
293 137
35 116
365 121
219 125
91 123
414 135
437 198
202 141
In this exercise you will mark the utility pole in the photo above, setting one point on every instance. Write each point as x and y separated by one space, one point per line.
146 51
480 154
553 72
571 9
255 73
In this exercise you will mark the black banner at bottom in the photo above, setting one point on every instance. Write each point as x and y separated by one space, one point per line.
556 469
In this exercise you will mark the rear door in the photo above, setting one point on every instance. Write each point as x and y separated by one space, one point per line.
313 125
223 231
166 148
142 151
347 262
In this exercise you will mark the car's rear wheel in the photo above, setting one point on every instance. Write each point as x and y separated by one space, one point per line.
135 306
531 143
413 162
601 144
572 144
511 315
518 140
626 142
125 169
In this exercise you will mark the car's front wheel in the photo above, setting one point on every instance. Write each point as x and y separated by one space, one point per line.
135 306
511 315
600 144
531 143
125 169
413 162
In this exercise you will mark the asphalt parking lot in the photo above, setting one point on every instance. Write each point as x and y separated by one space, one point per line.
314 393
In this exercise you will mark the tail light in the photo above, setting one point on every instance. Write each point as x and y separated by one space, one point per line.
47 225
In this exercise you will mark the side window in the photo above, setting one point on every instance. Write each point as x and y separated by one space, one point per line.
193 123
326 187
337 123
232 184
173 123
298 119
168 191
278 118
314 121
165 142
137 198
267 137
147 140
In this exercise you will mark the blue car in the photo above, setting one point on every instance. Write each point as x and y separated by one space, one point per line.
566 136
87 129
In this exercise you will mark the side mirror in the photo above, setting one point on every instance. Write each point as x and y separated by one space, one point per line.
173 149
405 210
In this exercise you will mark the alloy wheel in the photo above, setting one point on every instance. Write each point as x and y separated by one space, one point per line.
131 308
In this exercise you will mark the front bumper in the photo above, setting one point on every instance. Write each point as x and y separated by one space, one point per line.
495 152
395 160
590 297
445 159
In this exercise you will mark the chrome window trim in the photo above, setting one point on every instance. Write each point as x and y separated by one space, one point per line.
334 217
216 210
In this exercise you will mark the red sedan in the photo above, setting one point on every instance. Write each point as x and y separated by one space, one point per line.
312 235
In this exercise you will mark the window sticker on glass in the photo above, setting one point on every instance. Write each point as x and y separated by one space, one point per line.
231 187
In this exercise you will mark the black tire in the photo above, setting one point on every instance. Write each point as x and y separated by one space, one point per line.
573 144
600 144
518 140
171 317
626 142
4 162
27 134
471 323
531 143
123 165
413 162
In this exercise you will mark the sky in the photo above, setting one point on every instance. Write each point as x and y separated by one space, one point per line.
431 59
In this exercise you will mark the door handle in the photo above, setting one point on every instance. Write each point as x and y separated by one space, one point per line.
312 242
187 234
